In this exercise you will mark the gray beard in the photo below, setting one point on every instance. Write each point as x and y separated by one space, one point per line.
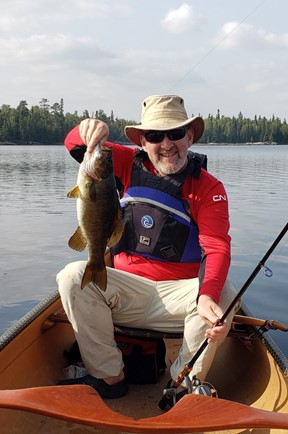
170 169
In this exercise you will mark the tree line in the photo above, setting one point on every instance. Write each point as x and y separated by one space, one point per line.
48 124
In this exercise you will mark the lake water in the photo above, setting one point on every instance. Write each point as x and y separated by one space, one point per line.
37 220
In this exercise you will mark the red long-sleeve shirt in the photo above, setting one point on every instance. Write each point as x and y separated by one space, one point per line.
209 208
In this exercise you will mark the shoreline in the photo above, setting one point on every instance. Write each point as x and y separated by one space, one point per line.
7 143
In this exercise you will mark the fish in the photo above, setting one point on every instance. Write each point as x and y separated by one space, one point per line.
98 213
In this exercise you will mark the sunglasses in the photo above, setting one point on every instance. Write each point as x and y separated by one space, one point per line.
158 136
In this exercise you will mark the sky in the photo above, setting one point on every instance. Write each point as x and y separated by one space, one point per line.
224 55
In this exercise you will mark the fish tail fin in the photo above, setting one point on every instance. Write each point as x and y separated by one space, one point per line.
96 276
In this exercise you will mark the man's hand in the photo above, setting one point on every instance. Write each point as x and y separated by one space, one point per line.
211 313
93 131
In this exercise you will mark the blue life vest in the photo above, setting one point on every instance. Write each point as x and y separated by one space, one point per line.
157 221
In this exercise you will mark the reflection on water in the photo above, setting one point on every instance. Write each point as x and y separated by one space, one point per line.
37 219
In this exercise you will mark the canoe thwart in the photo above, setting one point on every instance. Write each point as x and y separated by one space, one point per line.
269 323
60 317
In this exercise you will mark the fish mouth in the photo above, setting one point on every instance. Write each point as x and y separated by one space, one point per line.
90 169
98 165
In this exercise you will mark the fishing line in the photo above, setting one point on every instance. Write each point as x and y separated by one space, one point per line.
211 51
171 390
218 44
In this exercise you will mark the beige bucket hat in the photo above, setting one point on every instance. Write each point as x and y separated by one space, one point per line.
162 113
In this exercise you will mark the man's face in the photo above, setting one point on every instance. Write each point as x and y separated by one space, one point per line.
169 156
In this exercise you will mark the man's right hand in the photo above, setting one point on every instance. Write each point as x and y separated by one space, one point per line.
93 131
211 313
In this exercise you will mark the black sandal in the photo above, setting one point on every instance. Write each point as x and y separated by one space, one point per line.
109 391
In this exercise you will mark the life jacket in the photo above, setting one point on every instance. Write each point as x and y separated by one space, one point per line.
157 221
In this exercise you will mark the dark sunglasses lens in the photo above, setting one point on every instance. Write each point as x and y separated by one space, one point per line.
176 134
158 136
154 136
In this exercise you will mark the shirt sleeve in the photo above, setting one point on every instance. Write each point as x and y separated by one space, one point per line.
75 145
210 210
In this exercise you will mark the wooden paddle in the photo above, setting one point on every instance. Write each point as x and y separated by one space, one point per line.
193 413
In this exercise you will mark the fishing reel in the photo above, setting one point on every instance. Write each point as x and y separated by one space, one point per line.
199 387
195 386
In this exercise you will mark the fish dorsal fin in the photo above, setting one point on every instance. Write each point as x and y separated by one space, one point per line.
77 241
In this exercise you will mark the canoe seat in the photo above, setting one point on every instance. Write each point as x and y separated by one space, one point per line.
60 316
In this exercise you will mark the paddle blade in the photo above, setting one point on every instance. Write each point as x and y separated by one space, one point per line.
77 404
193 413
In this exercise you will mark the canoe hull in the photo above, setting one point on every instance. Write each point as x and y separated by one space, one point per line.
253 372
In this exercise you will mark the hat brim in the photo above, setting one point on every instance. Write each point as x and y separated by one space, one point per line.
133 132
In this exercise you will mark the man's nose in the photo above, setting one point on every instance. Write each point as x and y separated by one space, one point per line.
167 143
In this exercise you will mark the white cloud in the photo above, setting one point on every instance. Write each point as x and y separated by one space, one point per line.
277 40
109 54
43 49
240 35
179 20
46 16
256 86
236 35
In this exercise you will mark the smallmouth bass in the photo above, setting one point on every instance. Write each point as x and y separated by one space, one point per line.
98 213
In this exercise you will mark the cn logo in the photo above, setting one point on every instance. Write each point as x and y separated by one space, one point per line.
219 197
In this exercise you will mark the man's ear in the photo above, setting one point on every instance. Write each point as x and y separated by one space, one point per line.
143 143
190 134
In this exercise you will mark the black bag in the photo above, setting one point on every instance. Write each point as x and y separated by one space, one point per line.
144 358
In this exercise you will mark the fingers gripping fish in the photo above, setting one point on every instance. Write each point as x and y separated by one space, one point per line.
98 213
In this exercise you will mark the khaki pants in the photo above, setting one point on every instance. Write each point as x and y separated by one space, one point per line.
134 301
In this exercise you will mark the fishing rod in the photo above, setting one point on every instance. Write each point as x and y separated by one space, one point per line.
168 393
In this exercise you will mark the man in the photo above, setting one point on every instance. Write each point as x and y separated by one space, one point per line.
171 265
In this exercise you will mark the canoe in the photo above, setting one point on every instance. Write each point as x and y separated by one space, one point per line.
250 374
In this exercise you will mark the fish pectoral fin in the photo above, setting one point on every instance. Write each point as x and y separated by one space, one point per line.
117 232
74 192
77 241
116 236
96 276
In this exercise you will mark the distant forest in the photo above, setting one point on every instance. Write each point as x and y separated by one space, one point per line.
48 124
